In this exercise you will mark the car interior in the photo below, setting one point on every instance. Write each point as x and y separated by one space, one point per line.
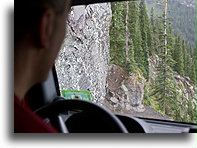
81 116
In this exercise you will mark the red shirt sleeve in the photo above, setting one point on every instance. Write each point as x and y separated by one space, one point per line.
25 121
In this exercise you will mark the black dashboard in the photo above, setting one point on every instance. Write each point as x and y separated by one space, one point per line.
142 125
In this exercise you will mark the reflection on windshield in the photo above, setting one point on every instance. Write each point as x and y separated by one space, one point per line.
134 57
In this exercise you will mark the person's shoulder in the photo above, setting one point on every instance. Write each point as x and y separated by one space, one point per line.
25 121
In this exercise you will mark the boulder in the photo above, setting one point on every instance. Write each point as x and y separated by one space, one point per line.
128 91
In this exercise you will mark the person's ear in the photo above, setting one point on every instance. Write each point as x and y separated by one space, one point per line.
46 27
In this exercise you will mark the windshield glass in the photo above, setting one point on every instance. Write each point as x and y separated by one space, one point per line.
132 57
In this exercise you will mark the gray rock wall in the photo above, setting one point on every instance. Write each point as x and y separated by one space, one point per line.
125 93
83 60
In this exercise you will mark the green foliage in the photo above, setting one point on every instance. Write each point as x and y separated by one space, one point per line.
153 39
174 56
132 66
117 38
165 87
146 99
117 32
150 36
135 35
178 56
146 36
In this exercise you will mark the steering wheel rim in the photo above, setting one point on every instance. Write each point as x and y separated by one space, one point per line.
57 107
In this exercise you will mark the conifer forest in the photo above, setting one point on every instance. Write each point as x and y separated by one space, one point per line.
142 31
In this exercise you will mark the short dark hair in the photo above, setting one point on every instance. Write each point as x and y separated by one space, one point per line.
28 13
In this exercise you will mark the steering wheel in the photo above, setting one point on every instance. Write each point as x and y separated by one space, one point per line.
90 118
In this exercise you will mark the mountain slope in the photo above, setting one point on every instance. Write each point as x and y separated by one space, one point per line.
183 17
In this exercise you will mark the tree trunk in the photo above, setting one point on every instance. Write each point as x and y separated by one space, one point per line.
165 50
127 34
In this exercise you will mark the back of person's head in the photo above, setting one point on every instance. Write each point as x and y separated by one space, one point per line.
39 29
29 12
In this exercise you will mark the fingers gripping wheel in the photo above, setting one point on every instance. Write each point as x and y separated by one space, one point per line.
91 118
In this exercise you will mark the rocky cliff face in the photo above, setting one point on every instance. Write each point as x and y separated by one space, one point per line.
83 64
124 93
187 96
185 87
84 58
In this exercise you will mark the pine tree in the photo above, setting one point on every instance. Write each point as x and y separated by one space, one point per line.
178 57
170 40
127 34
193 69
189 61
146 36
133 18
157 31
185 57
129 46
121 43
191 111
132 66
192 73
152 18
117 34
153 32
165 89
135 35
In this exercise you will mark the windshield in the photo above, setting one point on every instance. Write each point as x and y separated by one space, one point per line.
133 57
